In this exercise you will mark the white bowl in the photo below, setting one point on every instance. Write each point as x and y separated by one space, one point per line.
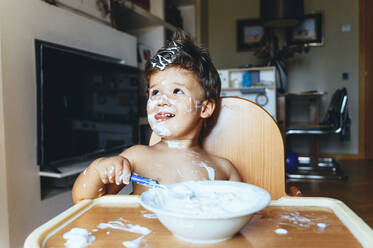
216 212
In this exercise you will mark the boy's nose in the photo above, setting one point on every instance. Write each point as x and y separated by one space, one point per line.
164 101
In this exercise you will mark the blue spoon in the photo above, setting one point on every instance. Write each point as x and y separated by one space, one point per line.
148 182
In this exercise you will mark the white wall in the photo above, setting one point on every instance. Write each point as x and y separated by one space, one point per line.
188 13
21 23
4 227
320 69
222 17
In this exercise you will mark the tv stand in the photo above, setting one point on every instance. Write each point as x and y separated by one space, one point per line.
58 179
50 168
63 171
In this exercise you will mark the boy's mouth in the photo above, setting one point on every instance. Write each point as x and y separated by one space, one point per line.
163 116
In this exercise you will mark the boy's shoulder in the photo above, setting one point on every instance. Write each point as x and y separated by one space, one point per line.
222 162
136 150
137 154
226 166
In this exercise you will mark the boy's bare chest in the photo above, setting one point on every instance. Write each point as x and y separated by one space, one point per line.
172 168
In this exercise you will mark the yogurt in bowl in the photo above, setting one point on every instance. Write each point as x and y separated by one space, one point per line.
205 211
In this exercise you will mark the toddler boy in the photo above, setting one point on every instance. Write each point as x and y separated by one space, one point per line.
184 87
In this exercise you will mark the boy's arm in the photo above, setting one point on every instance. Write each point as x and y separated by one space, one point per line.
102 176
235 176
106 175
88 184
230 170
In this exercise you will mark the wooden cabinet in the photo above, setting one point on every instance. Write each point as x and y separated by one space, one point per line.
150 26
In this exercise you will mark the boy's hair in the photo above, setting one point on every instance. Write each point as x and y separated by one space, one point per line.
181 51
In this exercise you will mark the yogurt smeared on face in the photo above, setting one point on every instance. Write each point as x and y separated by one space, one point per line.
160 115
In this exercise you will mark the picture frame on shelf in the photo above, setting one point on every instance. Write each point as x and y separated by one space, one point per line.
144 54
250 34
308 31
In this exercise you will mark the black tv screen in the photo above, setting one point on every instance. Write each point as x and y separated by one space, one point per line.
87 104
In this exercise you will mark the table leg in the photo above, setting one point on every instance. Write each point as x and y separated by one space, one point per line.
314 118
281 116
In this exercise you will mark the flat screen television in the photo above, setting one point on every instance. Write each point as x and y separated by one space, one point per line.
87 105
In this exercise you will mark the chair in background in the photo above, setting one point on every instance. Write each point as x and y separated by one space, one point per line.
336 121
249 137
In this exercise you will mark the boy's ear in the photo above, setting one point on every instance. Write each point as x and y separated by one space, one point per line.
208 107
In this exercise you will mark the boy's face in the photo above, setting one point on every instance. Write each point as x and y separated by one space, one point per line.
176 103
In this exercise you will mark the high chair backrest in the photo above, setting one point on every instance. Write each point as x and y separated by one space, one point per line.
249 137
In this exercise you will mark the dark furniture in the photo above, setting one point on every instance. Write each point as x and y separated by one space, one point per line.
314 166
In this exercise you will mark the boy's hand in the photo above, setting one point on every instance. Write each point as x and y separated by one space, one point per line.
115 169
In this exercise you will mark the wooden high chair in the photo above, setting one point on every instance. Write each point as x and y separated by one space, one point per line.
244 133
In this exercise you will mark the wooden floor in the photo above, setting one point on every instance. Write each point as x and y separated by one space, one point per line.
356 192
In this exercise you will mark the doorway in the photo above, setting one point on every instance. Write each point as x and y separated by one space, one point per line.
365 79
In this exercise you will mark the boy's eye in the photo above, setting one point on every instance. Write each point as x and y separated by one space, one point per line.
178 91
154 92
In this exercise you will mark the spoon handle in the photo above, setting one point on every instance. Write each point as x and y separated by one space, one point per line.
148 182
